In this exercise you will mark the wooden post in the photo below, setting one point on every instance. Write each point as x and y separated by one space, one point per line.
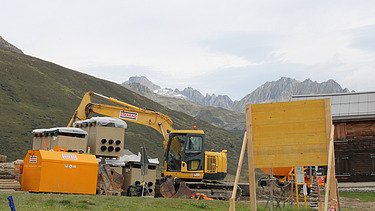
232 200
320 205
305 195
296 183
292 193
333 192
250 156
331 160
271 189
337 196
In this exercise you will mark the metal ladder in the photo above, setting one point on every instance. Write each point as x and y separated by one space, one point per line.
314 193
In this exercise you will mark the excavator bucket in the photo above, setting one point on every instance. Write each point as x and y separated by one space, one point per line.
168 189
183 191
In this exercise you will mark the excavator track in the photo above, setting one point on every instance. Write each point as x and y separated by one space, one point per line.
214 189
169 187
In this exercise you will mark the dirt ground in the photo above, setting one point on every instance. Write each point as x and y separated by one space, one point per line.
356 204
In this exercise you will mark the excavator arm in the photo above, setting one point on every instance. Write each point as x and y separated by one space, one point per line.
192 164
127 112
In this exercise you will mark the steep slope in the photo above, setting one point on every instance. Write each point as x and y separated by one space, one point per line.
39 94
7 46
284 88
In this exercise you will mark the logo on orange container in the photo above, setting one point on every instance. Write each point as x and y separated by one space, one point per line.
69 156
70 166
33 159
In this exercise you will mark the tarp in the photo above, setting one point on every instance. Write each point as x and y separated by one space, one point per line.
69 130
131 158
103 121
137 158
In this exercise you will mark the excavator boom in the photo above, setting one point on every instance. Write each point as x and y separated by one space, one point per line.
156 120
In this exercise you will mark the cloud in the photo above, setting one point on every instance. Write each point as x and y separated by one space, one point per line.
256 46
120 73
226 47
363 38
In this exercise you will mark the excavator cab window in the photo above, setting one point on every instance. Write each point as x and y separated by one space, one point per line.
194 154
194 144
175 152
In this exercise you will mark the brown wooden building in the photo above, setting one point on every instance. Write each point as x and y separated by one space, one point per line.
353 116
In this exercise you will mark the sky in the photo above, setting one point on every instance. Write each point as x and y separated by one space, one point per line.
222 47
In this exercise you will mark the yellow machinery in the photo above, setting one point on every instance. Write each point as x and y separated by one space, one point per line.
59 172
185 157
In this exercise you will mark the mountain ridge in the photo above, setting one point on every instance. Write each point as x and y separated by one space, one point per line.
284 88
220 117
271 91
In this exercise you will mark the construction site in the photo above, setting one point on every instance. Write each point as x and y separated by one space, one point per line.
187 105
88 156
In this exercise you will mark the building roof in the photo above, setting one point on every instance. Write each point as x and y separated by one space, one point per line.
347 106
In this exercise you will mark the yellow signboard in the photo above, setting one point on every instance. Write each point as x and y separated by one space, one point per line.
293 133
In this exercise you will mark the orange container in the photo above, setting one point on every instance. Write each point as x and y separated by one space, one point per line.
59 172
278 172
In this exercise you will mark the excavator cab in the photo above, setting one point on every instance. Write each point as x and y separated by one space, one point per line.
185 157
185 153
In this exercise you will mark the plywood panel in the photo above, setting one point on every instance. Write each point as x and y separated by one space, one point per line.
291 133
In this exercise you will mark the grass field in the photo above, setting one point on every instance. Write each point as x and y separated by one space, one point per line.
362 196
29 201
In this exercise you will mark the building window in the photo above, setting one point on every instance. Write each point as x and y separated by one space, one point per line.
345 167
337 165
372 156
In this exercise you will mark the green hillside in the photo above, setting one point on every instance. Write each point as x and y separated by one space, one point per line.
39 94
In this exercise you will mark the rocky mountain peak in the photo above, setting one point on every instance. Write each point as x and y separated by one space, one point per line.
142 80
193 95
7 46
310 81
284 88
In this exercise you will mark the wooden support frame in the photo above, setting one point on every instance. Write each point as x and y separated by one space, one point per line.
250 157
330 197
331 186
232 200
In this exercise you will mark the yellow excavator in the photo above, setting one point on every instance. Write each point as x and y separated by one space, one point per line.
185 157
